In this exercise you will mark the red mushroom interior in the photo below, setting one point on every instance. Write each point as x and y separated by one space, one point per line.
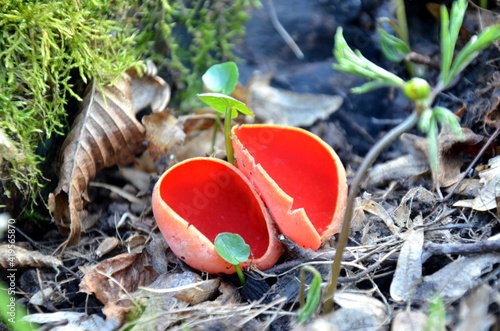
300 166
214 198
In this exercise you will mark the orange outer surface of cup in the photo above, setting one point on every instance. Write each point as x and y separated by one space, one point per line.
199 198
300 178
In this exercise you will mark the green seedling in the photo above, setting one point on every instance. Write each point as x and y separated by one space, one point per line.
233 249
423 96
220 78
436 319
230 107
309 306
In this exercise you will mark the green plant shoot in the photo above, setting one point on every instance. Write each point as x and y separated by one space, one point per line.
309 306
436 318
229 107
233 249
221 78
419 91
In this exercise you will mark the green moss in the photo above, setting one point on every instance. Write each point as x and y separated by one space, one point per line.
187 37
42 45
45 46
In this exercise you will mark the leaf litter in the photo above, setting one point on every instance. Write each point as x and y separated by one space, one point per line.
406 248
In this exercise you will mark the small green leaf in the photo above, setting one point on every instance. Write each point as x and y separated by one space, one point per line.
446 117
309 306
393 48
221 102
232 248
221 78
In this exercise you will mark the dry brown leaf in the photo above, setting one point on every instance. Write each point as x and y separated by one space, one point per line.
164 134
486 198
409 267
149 89
278 106
104 133
13 257
113 280
450 149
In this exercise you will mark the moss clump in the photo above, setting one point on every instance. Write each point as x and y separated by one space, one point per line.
46 46
42 45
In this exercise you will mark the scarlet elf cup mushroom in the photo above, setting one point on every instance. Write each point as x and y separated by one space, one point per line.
199 198
300 178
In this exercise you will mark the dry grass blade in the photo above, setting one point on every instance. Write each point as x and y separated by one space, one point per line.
105 133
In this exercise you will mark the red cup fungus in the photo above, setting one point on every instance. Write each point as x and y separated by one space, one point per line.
199 198
300 178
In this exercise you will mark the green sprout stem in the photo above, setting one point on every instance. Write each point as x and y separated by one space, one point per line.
372 155
227 137
240 274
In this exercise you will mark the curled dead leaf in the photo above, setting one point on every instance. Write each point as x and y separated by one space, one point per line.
149 89
164 134
113 280
104 133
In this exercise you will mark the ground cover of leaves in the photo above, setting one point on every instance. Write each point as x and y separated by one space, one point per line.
411 252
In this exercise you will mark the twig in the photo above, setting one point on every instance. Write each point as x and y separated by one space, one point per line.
283 33
480 247
372 155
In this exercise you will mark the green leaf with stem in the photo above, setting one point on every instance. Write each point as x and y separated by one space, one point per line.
354 63
309 306
229 107
221 78
221 102
233 249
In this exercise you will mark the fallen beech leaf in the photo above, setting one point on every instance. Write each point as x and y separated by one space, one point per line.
409 267
149 89
450 149
13 257
113 280
278 106
104 133
486 199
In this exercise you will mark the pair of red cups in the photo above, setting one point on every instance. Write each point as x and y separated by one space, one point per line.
286 179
